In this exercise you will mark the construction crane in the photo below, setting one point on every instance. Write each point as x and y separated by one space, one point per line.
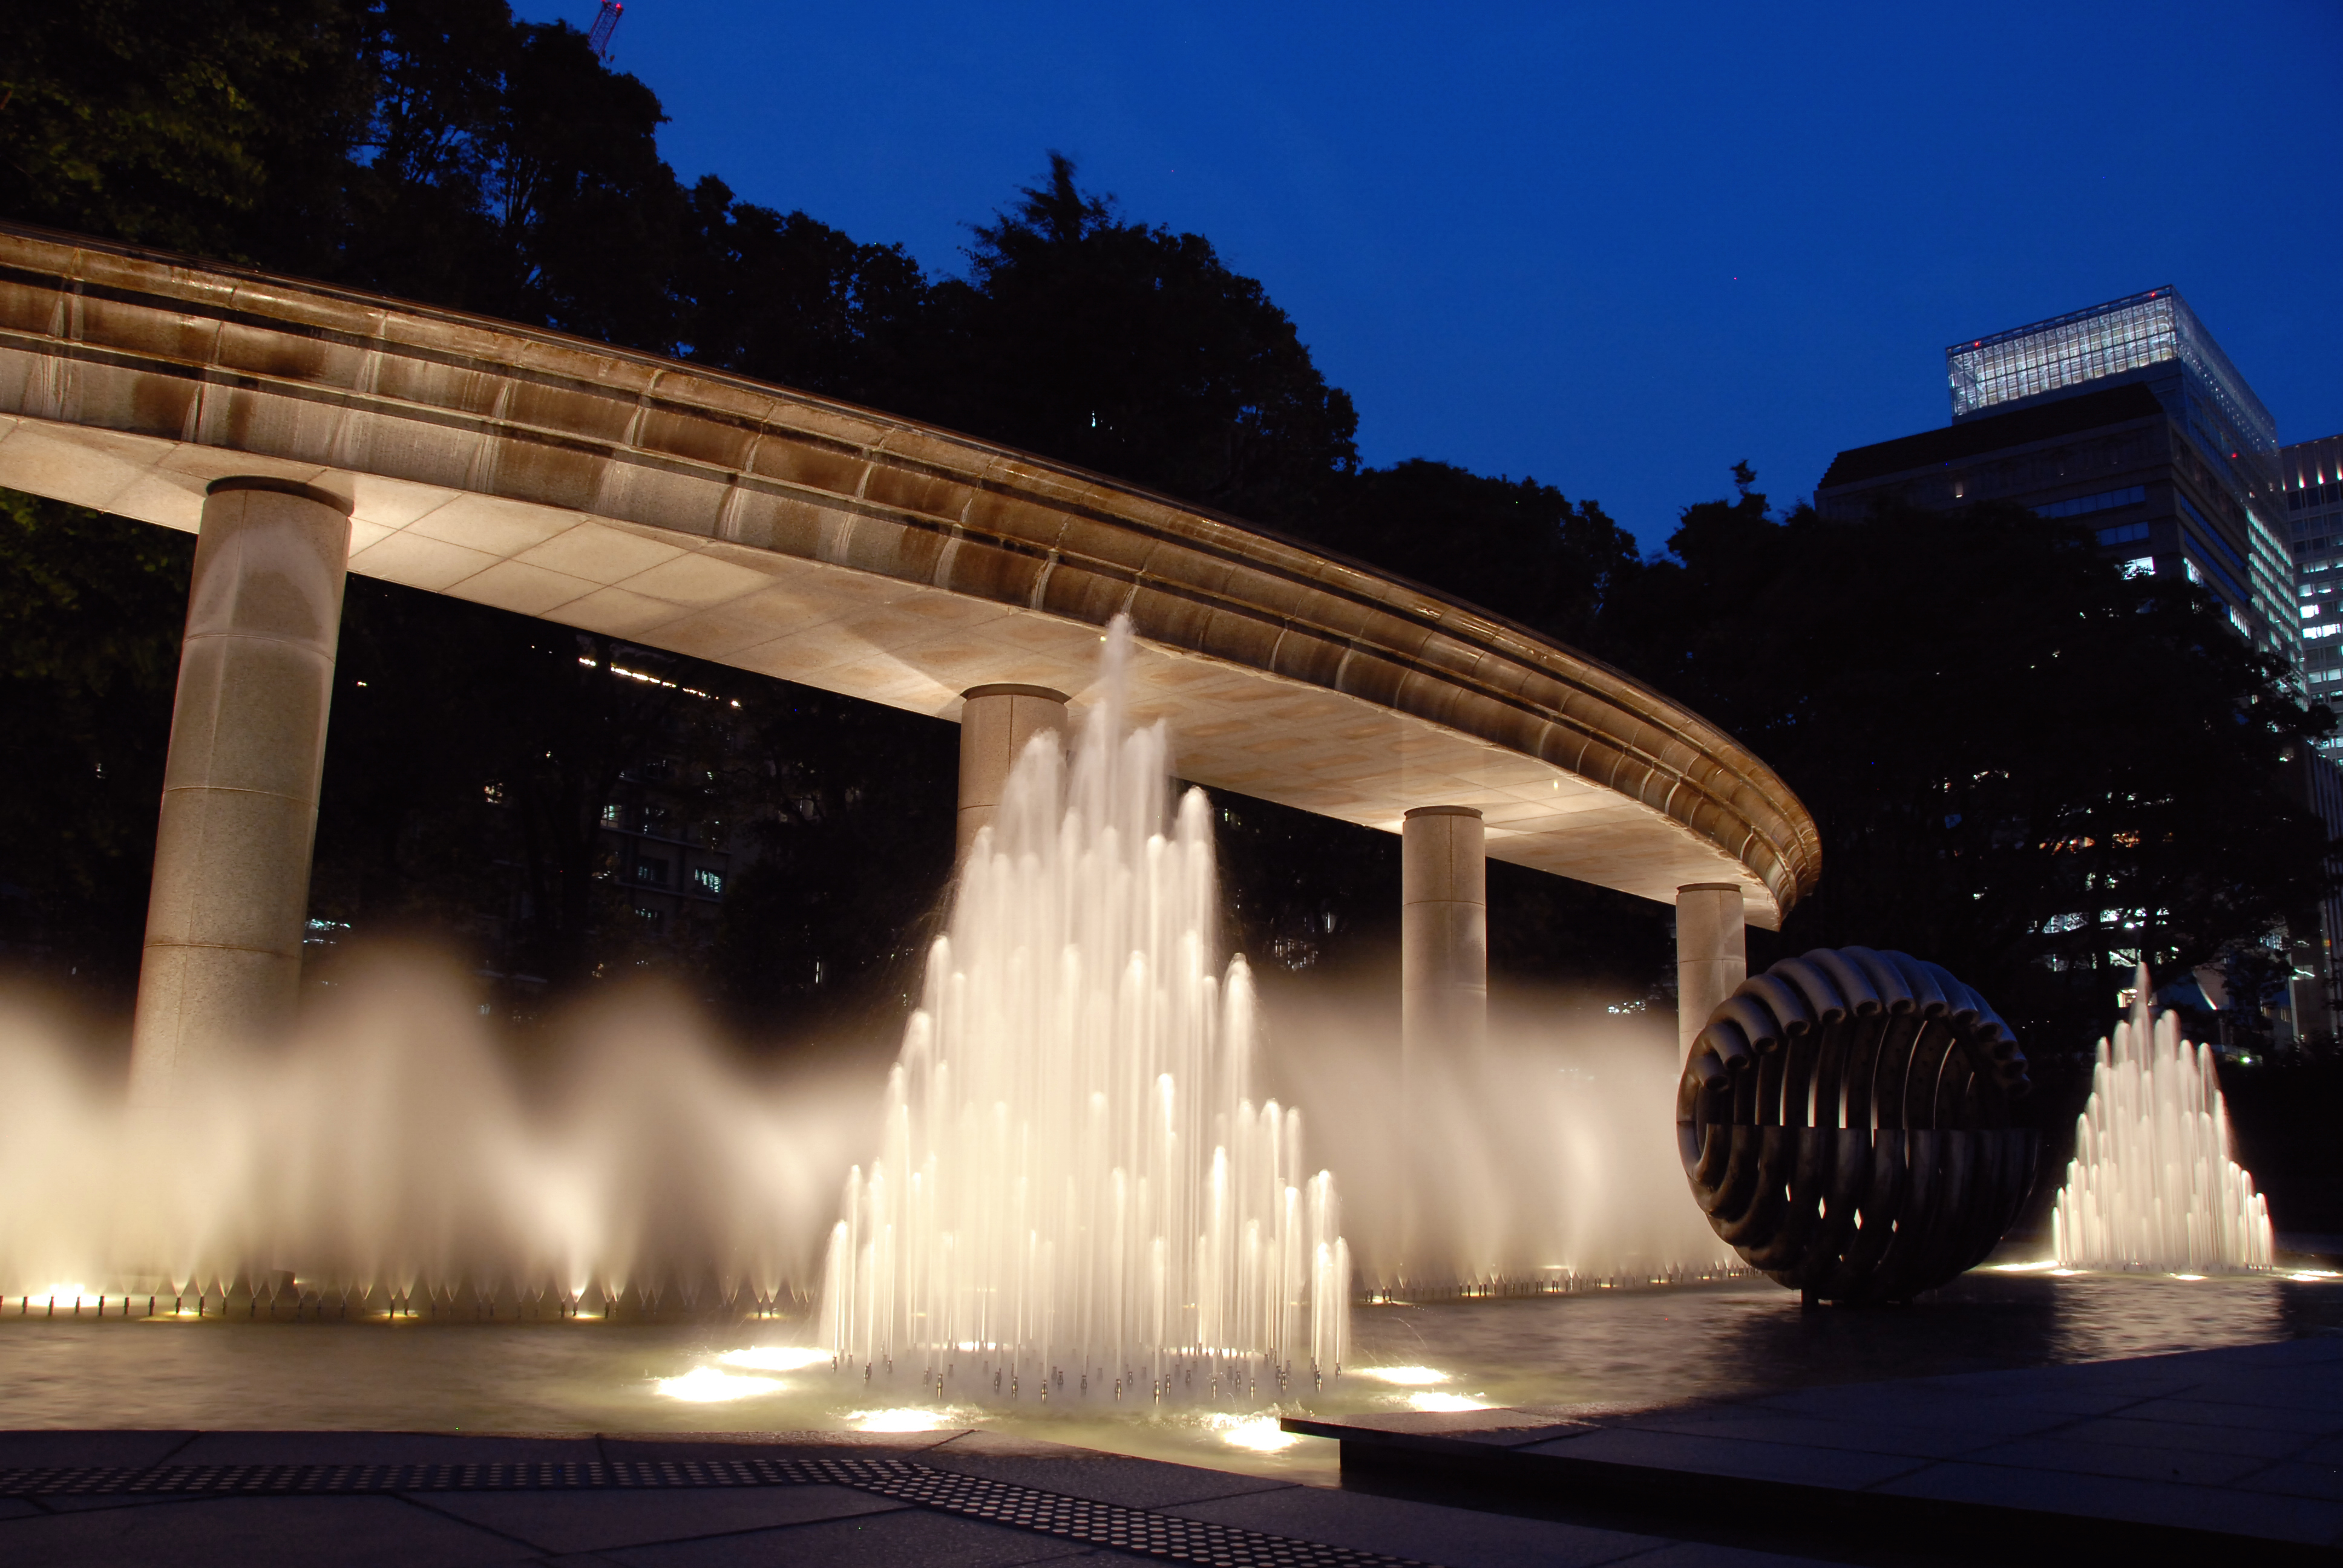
606 22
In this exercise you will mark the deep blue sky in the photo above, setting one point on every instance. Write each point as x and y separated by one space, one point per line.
1612 247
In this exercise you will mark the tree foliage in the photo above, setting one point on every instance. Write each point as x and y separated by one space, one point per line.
1134 351
2020 761
90 613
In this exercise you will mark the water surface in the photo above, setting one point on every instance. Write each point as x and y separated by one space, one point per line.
1567 1354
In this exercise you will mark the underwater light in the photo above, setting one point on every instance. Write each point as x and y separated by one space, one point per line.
1445 1402
1254 1433
778 1358
910 1418
705 1385
1406 1377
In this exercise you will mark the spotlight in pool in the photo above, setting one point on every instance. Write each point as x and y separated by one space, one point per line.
776 1358
2049 1263
707 1385
2312 1276
1444 1402
2188 1276
906 1419
1403 1377
1255 1434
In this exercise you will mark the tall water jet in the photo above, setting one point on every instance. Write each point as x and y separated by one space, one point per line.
1076 1191
2152 1185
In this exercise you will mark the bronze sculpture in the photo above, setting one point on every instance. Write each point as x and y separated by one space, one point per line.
1847 1121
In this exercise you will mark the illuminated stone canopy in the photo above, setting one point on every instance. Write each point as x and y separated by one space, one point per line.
779 532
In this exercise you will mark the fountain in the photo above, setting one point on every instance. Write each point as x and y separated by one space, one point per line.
391 1159
2152 1185
1076 1192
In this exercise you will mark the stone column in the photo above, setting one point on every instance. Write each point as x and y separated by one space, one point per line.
995 723
1711 954
222 965
1444 958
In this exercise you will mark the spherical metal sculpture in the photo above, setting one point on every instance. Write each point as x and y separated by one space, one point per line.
1846 1122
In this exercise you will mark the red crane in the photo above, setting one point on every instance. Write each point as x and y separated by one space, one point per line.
606 22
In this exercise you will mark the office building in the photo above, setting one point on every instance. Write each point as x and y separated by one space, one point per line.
2126 417
2311 474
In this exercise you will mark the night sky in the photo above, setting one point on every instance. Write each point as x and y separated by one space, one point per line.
1615 248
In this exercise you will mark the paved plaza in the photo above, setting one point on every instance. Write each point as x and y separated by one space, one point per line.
195 1499
2231 1455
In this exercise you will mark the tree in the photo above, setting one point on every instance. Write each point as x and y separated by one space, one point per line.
785 299
220 129
91 608
2021 760
1513 545
1136 352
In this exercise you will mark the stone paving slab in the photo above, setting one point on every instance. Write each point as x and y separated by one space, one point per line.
610 1521
2226 1450
621 1499
1426 1532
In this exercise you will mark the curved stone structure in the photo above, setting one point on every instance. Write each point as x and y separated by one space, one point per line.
778 532
1845 1121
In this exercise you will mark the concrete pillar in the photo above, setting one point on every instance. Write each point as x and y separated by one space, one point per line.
1444 958
222 964
995 723
1711 954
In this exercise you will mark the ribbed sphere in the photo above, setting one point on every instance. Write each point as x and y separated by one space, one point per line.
1846 1122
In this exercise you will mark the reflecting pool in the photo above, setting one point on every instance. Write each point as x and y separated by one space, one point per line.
1584 1353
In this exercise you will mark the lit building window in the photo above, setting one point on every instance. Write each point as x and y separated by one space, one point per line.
709 879
2140 567
2126 335
2106 501
651 873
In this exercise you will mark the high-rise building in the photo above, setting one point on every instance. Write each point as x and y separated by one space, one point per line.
2129 419
2311 473
2127 415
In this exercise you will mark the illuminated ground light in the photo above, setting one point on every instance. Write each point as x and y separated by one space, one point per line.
709 1385
2188 1276
1254 1433
778 1358
1402 1377
906 1418
2313 1276
2050 1265
1445 1402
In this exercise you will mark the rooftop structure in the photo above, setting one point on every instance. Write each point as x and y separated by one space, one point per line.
2122 337
2128 414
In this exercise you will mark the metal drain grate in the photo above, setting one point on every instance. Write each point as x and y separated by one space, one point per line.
1133 1530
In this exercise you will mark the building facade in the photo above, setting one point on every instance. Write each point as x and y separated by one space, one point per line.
2129 418
2311 473
2126 416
